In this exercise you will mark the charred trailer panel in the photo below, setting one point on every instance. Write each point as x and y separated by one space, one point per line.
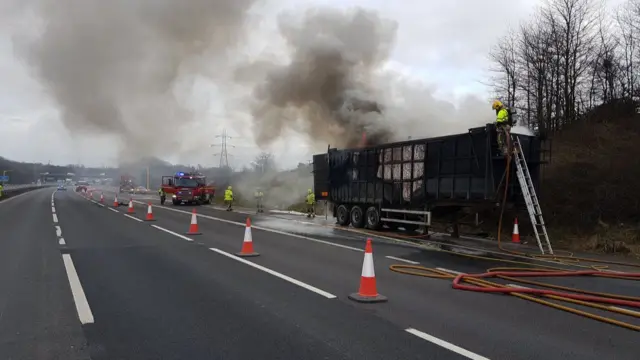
400 184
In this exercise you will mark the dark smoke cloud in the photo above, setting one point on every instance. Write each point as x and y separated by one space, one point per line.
325 91
115 66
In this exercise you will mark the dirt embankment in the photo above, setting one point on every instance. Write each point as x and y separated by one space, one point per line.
591 187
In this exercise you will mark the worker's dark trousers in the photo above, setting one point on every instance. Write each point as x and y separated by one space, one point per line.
259 206
229 202
502 131
311 210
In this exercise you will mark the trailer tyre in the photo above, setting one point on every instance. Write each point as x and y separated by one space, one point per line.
342 215
357 217
373 218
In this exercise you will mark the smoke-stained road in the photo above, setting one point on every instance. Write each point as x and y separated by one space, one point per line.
145 292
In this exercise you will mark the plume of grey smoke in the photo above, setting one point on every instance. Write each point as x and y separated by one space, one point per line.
116 67
418 113
336 85
325 89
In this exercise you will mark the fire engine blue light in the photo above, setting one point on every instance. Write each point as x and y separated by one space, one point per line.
180 173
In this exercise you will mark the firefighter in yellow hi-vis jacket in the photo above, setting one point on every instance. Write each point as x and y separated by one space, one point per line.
163 196
228 198
502 124
311 202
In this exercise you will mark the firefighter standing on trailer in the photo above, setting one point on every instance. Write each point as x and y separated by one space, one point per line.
259 195
502 123
228 198
311 202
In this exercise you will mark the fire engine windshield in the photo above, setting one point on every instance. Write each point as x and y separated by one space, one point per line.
186 182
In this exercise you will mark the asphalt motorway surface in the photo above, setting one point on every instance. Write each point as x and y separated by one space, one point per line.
81 280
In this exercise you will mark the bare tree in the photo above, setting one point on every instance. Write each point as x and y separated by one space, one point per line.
506 68
628 26
563 62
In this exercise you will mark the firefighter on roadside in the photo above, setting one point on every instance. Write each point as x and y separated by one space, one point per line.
259 195
502 123
1 190
311 202
228 198
163 196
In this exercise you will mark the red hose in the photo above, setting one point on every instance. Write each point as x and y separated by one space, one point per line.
461 277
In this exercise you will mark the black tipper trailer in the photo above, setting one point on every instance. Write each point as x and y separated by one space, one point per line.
401 184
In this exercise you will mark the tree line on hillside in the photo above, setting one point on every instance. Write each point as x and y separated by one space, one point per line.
570 57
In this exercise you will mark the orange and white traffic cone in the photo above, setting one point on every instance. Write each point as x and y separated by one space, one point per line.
247 243
131 210
515 237
368 292
149 214
101 198
193 227
116 203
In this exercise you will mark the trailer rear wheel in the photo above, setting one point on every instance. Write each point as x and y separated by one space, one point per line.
342 215
373 218
357 217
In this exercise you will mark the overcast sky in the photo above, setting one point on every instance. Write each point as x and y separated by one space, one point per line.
444 46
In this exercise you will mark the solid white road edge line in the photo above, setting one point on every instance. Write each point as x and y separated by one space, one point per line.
82 305
449 346
112 209
276 274
132 217
403 260
259 228
172 233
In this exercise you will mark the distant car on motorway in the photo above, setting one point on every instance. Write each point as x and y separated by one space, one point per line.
82 186
62 188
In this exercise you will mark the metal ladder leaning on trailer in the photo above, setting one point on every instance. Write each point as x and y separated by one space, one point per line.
530 197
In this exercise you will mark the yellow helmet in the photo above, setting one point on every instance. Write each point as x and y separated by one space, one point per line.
496 105
309 191
229 188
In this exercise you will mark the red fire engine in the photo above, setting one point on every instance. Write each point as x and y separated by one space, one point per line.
190 188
